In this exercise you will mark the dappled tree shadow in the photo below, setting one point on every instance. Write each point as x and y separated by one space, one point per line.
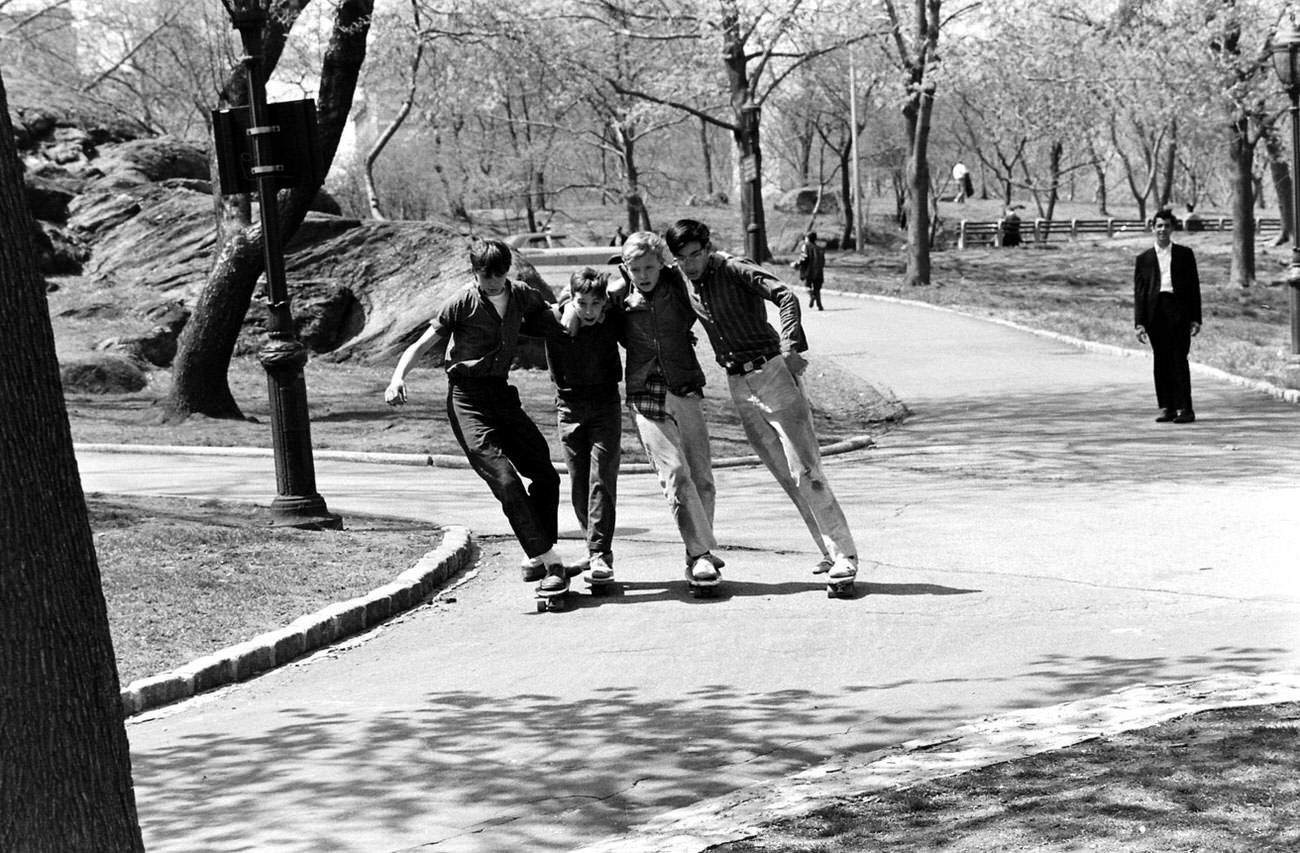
470 762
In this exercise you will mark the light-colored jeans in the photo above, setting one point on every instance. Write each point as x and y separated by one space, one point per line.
678 448
778 422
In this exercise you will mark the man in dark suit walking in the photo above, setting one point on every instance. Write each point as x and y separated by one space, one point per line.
1167 310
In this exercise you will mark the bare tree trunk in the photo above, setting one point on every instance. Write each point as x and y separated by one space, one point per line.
1166 192
1054 174
707 152
1099 171
372 193
918 188
1241 153
848 232
199 380
65 771
746 135
1280 169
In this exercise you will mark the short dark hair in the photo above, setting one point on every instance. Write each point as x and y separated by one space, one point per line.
1165 213
491 257
587 280
686 231
812 236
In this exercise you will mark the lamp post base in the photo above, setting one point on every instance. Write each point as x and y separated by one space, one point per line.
305 512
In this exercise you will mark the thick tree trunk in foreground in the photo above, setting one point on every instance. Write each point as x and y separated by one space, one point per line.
65 769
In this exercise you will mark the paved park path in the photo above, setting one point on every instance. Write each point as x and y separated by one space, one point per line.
1030 537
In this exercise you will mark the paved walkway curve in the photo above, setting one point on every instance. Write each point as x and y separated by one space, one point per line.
1034 538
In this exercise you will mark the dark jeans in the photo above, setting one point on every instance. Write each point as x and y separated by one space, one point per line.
591 433
814 294
503 445
1171 341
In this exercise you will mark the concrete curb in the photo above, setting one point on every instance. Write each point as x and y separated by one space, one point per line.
743 814
1289 395
424 460
305 634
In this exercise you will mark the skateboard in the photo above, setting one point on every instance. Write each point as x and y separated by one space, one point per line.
842 588
551 600
606 587
704 589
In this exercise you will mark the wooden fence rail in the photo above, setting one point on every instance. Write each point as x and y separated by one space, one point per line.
972 233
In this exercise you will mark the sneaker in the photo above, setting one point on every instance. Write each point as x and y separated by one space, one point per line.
703 570
556 580
823 565
532 569
844 568
598 570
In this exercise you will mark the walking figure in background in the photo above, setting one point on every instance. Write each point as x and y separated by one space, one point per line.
586 370
1167 310
811 265
474 335
961 176
763 369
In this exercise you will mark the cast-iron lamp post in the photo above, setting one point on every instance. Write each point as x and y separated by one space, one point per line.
283 356
1286 53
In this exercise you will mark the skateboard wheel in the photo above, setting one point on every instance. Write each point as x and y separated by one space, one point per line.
541 607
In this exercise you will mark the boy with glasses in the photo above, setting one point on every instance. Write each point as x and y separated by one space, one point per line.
763 366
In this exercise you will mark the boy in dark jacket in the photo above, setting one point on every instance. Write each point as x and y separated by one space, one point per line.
586 370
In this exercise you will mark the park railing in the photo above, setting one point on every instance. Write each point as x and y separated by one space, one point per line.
973 233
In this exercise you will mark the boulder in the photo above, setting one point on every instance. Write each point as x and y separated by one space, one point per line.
59 252
47 197
803 199
102 373
156 346
142 161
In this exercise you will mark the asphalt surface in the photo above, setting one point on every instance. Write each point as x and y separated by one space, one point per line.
1029 538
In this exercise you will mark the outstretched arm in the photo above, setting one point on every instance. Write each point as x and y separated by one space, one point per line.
395 394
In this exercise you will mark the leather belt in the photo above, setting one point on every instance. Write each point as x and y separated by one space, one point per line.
741 368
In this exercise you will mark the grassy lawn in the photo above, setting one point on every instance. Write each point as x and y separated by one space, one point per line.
1222 780
1085 290
184 578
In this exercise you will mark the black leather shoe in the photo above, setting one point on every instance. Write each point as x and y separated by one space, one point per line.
1184 416
1166 416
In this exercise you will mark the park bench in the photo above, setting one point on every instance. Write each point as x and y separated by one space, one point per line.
971 234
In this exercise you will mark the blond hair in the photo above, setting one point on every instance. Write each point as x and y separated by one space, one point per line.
645 243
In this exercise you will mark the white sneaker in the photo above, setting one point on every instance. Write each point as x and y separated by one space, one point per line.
844 568
702 570
599 571
532 569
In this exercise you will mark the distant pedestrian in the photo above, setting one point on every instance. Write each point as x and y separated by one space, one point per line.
586 370
763 369
961 176
665 389
811 265
1011 229
475 335
1167 310
619 238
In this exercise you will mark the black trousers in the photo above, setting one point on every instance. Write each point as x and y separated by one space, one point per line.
1171 341
505 447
